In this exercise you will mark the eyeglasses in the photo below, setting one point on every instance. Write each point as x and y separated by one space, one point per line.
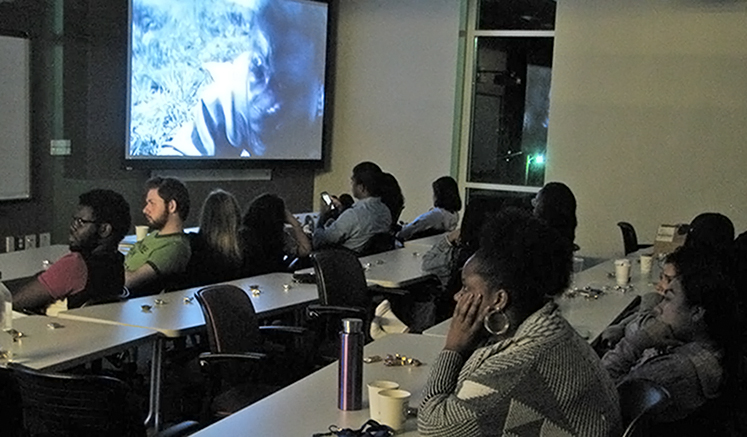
78 221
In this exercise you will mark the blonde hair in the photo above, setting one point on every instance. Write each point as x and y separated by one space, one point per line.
219 224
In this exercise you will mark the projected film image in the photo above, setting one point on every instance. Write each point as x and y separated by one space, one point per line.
227 79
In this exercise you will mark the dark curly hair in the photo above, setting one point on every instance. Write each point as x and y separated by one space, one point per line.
524 256
108 207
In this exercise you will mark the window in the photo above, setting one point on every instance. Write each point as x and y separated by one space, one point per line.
507 95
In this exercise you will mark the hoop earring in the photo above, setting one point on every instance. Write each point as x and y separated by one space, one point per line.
496 323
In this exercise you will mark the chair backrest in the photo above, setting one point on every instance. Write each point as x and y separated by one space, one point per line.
10 404
230 319
640 400
630 239
340 278
378 243
56 405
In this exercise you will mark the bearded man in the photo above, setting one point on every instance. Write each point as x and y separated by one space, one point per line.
154 262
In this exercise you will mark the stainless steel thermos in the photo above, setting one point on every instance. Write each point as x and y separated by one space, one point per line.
350 376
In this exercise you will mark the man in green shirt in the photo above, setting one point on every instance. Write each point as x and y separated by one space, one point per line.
153 262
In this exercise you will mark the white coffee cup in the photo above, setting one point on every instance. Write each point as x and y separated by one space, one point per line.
646 263
622 271
578 264
393 406
374 387
141 232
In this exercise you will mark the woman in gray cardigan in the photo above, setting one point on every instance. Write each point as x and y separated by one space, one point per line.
511 364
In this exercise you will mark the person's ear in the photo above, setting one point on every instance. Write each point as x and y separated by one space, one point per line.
698 313
501 299
171 206
105 230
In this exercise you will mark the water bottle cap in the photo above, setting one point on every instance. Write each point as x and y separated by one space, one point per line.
352 325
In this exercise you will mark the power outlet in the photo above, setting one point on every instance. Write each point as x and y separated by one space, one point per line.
19 243
30 241
10 244
45 239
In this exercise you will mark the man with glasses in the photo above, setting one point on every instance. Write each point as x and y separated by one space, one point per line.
154 262
93 270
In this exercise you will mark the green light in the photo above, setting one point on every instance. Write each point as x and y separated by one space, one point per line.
539 159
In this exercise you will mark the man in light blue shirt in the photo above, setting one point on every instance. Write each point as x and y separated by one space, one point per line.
356 225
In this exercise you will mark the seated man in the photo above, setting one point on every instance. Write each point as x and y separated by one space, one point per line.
93 269
163 254
356 225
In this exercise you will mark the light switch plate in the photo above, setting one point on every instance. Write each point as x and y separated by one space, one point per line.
45 239
10 244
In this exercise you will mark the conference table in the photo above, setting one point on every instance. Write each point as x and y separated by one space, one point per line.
50 344
426 241
26 263
177 314
310 405
589 315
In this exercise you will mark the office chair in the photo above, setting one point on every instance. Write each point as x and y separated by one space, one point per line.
640 401
239 346
378 243
58 405
343 293
630 239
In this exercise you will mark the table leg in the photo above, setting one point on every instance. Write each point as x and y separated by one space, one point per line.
154 414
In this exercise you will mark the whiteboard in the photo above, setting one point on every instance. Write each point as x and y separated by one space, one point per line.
15 118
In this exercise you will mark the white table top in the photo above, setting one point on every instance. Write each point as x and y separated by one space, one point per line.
69 345
396 268
590 316
27 263
311 403
176 317
426 241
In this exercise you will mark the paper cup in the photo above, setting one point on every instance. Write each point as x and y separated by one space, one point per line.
622 271
646 262
141 232
578 264
374 387
393 408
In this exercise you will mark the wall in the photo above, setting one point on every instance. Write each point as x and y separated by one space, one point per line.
647 116
78 92
394 97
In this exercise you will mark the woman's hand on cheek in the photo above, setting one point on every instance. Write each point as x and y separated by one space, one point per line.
466 325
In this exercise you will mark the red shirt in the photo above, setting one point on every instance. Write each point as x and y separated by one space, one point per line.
65 277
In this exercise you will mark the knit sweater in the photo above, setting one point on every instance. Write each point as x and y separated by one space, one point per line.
691 372
544 381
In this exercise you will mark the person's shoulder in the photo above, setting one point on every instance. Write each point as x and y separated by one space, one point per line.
174 238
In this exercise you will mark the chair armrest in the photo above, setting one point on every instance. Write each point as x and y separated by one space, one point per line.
209 357
281 329
180 429
326 310
376 289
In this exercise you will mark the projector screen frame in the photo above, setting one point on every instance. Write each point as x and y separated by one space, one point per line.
206 162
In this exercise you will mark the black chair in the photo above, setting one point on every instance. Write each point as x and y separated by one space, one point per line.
630 239
239 346
640 401
57 405
343 293
378 243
